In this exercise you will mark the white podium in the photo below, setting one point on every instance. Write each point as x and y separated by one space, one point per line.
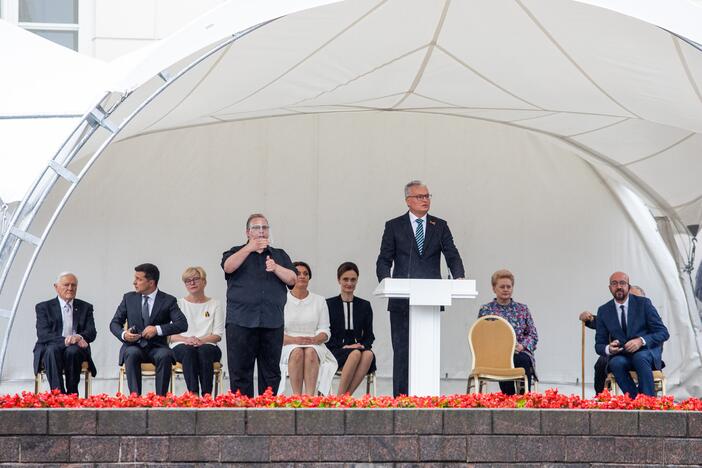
426 296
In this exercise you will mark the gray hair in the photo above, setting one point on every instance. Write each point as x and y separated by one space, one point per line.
65 273
643 293
254 216
412 183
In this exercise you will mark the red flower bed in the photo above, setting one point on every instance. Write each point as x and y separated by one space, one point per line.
548 399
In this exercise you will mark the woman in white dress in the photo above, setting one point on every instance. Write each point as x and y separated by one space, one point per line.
308 360
196 349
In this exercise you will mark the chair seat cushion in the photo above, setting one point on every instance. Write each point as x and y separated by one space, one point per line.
498 372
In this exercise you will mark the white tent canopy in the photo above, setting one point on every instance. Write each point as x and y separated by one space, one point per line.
549 132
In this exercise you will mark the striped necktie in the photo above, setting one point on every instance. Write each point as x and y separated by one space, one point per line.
419 236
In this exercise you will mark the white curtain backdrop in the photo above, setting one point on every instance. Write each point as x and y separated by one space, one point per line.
513 198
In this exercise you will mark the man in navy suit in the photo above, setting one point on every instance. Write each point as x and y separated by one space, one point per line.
637 334
65 329
412 245
152 315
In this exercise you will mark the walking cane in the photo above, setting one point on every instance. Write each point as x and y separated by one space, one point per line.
582 358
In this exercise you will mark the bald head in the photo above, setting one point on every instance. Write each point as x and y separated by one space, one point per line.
619 286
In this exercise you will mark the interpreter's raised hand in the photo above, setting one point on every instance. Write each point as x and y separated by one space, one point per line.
149 332
270 264
586 316
131 337
257 245
633 345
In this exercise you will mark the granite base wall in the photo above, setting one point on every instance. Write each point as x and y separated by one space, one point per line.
347 437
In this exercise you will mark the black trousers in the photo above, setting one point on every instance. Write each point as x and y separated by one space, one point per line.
160 356
197 365
600 374
520 360
60 359
399 333
247 346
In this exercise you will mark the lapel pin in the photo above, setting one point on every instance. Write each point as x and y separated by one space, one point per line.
207 314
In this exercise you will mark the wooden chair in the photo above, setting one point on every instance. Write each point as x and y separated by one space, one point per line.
147 370
492 342
659 382
217 367
370 382
84 369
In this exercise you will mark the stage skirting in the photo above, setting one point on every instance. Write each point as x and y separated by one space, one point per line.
193 437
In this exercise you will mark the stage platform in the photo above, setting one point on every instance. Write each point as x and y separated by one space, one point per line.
340 437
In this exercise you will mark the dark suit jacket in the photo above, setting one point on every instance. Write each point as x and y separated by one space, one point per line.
642 321
50 327
165 313
362 323
398 250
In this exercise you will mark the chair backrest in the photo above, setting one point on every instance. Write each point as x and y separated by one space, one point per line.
492 342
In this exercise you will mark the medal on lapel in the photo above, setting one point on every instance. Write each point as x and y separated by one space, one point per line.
207 314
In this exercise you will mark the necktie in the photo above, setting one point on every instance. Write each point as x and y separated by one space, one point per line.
67 320
419 236
623 319
145 311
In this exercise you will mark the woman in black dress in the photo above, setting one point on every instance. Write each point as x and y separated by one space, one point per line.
351 324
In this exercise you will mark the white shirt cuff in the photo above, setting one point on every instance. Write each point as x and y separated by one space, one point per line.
158 330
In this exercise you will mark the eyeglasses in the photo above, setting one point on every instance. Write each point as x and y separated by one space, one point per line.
614 284
192 280
421 197
259 227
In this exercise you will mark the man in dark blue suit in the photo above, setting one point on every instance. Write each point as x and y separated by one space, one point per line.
637 334
65 329
152 316
412 246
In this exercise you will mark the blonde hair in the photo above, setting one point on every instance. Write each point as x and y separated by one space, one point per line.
500 274
190 271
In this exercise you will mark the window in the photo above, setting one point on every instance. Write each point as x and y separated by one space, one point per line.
55 20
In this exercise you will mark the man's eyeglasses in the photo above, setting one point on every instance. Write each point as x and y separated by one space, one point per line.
194 280
614 284
259 227
421 197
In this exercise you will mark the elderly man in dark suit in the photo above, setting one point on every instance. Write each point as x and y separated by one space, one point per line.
152 315
65 329
412 245
637 335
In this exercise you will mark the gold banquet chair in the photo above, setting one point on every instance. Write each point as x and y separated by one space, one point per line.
370 383
216 366
492 342
659 382
84 369
147 370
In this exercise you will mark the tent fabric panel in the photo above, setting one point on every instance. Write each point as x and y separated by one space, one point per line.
674 171
635 63
632 139
450 81
497 38
571 124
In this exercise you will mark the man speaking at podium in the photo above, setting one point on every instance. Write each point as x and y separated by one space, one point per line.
413 243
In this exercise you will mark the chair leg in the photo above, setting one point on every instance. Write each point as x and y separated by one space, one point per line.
87 384
120 385
663 382
37 382
172 384
217 382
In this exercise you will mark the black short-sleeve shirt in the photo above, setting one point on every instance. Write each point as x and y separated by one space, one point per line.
256 297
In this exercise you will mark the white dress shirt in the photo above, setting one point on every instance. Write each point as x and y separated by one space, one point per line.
413 223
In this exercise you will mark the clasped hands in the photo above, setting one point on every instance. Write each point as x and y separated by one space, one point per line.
148 333
630 346
354 346
75 339
303 340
